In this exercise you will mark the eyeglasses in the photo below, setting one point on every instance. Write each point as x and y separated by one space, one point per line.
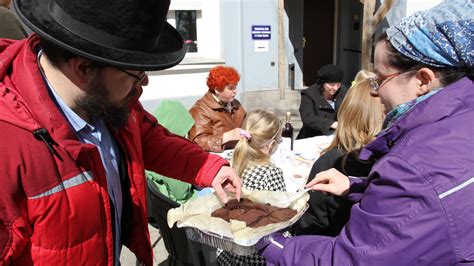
377 83
140 79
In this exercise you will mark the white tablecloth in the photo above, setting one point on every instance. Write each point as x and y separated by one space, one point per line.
296 164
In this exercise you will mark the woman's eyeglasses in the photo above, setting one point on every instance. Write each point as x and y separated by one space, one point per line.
377 83
138 78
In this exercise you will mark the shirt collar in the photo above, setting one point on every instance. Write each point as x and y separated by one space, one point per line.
227 106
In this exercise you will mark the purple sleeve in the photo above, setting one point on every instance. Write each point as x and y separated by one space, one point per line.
285 251
357 188
393 224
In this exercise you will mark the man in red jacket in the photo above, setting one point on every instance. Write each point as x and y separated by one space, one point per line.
75 140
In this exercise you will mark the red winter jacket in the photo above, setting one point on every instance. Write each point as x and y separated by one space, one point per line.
54 206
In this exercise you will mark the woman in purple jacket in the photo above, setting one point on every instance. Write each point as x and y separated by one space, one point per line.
417 205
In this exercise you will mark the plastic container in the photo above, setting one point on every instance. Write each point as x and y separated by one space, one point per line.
239 247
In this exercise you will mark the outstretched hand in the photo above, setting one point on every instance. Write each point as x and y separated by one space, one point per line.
331 181
227 179
232 135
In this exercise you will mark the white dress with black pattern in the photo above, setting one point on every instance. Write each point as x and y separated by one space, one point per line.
260 177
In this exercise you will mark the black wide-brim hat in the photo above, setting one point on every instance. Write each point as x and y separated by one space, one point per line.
131 34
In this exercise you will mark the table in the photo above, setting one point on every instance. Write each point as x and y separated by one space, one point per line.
296 164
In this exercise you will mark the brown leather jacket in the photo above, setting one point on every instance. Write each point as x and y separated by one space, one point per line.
212 120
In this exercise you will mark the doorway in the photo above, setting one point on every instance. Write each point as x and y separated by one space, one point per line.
318 28
313 35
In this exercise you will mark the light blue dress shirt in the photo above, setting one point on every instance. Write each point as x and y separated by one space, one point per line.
98 134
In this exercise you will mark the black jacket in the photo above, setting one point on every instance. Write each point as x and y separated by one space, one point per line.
327 214
316 113
335 159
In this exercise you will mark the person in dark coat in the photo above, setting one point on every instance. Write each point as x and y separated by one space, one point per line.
320 103
416 206
360 119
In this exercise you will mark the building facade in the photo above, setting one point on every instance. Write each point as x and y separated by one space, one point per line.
244 34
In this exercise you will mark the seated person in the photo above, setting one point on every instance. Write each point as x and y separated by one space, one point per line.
252 161
320 103
218 115
360 120
416 206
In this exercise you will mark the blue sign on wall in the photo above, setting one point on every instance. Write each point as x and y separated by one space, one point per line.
261 32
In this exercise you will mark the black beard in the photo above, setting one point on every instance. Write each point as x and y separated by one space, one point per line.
97 106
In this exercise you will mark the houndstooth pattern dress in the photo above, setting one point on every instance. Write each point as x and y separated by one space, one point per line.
261 177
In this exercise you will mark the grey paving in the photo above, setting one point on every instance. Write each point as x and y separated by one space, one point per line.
127 258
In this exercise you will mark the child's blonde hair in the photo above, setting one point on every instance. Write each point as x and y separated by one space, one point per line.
263 127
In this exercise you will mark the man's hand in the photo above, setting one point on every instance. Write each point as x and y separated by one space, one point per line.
331 181
226 179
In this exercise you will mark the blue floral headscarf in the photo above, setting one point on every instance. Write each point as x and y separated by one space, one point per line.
442 36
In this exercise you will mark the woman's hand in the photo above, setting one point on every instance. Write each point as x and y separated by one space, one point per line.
334 125
331 181
227 179
231 135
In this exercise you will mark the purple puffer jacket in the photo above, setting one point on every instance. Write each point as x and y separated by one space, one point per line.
418 205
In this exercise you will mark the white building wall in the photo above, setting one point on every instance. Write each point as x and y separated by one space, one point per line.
223 29
404 8
186 82
417 5
209 30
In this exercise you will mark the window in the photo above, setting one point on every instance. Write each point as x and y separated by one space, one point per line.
186 26
201 34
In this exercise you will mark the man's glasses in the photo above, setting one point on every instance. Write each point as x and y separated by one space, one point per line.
140 79
377 83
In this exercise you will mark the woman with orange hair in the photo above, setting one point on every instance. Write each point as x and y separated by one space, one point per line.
218 115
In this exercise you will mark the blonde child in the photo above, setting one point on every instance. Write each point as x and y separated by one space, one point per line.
252 160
